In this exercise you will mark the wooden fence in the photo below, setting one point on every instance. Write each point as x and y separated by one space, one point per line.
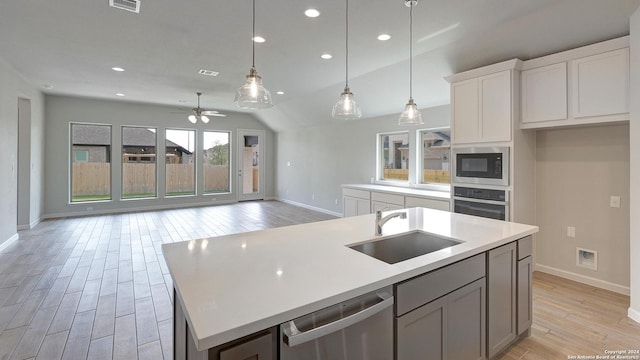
94 178
435 176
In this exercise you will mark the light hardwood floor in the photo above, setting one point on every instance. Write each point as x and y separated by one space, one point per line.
98 288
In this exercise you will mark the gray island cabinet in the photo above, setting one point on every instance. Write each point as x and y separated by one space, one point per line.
468 301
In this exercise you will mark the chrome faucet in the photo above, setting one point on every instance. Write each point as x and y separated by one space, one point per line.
382 220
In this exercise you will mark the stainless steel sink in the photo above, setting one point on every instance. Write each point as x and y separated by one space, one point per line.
405 246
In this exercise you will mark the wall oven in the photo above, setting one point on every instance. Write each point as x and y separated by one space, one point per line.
489 203
481 165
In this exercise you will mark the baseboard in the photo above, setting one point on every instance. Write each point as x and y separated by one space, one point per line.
9 241
315 208
625 290
135 209
634 315
31 225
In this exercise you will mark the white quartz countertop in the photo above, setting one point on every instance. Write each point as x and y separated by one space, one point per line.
406 191
232 286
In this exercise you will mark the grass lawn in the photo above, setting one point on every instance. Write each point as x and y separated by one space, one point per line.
135 196
178 193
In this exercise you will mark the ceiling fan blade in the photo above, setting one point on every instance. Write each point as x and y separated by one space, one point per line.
217 114
209 112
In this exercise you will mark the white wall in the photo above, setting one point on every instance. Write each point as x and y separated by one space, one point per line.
62 110
634 134
577 170
339 152
12 87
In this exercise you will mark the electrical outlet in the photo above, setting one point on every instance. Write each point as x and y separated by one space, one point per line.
288 163
213 199
336 201
89 208
571 231
614 201
313 196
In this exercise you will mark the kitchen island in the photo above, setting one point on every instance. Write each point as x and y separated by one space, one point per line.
233 286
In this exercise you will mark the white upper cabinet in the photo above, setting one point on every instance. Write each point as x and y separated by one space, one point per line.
481 109
544 93
601 84
587 85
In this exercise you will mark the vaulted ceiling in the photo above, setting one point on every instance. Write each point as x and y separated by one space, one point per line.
73 44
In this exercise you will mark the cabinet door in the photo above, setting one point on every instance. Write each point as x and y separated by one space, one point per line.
466 312
258 348
495 107
411 201
544 93
525 285
464 111
601 84
352 206
501 287
382 206
422 333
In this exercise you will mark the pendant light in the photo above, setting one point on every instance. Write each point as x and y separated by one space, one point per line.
253 95
346 108
411 115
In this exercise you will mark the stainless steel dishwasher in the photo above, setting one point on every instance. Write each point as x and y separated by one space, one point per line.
357 329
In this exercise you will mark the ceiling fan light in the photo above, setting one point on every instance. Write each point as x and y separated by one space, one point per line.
253 95
205 119
193 119
346 108
411 115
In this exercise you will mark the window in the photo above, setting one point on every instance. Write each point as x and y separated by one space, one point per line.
434 156
215 164
180 169
90 162
138 162
393 156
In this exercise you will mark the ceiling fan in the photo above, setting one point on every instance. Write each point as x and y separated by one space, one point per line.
202 114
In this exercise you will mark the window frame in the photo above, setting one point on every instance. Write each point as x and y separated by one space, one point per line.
122 194
195 162
380 161
71 158
229 160
419 161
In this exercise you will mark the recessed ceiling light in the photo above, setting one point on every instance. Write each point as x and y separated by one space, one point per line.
384 37
312 13
259 39
326 56
118 69
280 92
208 72
48 87
119 94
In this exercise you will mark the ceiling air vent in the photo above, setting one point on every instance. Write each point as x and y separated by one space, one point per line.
129 5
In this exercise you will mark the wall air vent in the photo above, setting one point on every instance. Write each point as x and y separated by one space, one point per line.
129 5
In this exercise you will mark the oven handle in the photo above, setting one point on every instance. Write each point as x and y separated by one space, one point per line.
481 201
292 336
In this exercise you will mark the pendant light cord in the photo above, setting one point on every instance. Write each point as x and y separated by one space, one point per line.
410 51
346 46
253 38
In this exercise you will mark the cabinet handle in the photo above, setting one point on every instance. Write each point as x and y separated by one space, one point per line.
292 336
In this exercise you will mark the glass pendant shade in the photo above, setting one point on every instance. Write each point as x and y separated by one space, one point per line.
193 119
411 115
346 108
253 95
205 119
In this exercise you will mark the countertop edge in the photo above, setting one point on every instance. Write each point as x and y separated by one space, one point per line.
268 322
407 191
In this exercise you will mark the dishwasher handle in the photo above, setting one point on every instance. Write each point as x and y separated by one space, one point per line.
292 336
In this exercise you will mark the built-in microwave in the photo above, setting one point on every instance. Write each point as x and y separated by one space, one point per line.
481 165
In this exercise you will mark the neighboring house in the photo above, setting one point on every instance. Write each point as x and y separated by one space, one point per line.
93 144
